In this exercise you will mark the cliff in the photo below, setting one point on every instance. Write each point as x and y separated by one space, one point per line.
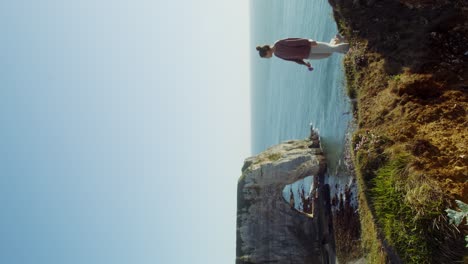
408 75
269 230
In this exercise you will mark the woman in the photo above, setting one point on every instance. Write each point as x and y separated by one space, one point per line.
299 49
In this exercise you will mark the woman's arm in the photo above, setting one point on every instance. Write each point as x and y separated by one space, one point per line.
302 62
298 61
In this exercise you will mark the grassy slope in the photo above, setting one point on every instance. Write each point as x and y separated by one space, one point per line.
409 75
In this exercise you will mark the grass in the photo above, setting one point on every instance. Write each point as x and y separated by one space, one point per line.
394 215
406 151
370 241
366 163
388 210
400 207
411 115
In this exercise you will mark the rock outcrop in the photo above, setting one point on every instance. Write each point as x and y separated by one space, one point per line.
268 229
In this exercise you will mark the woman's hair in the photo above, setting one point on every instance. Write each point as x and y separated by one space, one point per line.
262 50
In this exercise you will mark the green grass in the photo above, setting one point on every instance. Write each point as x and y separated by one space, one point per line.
370 241
395 216
398 205
367 161
395 203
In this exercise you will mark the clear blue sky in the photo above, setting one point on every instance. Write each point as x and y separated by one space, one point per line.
124 125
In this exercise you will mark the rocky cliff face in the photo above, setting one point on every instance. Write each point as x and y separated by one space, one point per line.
268 229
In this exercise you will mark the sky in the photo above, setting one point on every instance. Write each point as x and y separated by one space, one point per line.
124 126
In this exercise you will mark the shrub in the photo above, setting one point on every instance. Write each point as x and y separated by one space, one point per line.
456 217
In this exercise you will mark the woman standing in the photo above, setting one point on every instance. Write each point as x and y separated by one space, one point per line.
299 49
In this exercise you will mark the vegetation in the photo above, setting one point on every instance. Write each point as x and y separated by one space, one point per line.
394 215
274 156
407 75
456 217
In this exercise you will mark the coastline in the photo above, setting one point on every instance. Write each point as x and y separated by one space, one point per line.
407 74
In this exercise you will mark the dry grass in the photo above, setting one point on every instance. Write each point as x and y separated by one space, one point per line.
411 107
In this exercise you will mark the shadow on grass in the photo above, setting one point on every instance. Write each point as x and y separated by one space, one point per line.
410 37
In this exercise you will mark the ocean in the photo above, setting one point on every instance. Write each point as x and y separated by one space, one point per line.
286 97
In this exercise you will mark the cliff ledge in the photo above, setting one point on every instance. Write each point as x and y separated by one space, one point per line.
269 230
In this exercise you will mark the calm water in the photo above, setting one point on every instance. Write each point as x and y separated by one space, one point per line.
286 97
